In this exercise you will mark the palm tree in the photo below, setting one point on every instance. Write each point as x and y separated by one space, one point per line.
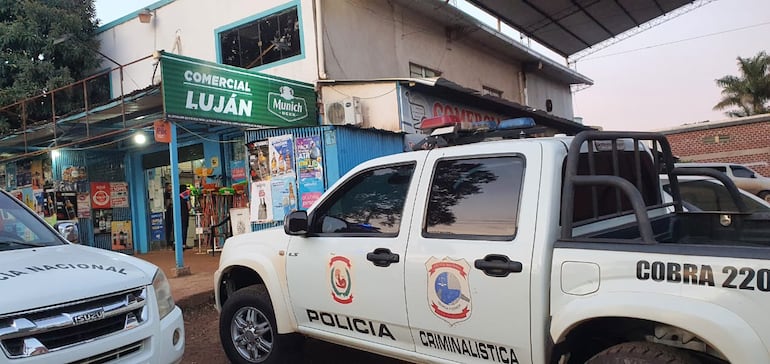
750 92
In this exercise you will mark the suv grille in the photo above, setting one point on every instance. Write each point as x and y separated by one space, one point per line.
54 328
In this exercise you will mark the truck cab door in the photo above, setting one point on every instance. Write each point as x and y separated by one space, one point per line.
469 257
346 276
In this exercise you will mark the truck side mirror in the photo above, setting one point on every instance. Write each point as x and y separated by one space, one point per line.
295 223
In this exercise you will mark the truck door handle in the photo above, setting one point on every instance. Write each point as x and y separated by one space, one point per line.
496 265
382 257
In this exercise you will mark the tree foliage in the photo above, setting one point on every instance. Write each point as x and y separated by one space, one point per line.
44 44
749 92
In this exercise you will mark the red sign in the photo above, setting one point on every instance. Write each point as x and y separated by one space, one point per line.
100 195
162 131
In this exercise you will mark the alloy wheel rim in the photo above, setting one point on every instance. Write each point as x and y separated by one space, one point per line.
251 334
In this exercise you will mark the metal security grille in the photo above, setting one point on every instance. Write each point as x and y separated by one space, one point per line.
54 328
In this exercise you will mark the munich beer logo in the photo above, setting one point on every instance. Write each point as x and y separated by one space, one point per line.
449 294
285 105
340 279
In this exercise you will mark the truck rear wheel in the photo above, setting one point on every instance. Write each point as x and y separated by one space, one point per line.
642 353
765 195
248 332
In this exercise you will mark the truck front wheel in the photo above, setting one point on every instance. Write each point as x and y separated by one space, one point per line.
247 329
642 353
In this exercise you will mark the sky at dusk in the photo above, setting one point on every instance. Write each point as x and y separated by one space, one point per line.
660 78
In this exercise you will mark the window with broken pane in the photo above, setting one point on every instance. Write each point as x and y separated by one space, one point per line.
265 40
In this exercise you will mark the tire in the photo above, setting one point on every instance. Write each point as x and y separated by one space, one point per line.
248 333
642 353
765 195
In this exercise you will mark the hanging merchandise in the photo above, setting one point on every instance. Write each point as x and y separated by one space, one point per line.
239 219
310 166
28 197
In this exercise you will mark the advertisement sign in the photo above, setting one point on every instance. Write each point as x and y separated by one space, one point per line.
258 167
66 205
416 107
239 218
157 231
261 202
100 195
121 235
119 194
281 155
284 197
84 206
310 166
162 131
197 90
238 171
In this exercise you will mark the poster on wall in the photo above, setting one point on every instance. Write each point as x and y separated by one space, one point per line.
36 173
157 230
100 195
238 171
281 155
66 205
239 218
261 202
121 235
28 197
119 194
258 165
23 173
284 197
3 179
310 166
84 205
10 172
49 207
102 221
40 201
73 178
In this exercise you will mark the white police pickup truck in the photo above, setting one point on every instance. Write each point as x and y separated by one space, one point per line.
538 250
66 303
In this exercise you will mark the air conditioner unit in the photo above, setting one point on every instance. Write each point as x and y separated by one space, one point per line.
347 111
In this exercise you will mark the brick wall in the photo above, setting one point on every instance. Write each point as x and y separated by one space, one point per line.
744 144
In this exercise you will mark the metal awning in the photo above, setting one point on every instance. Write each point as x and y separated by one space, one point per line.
570 26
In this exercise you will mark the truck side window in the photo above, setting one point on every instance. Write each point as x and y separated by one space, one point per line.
475 198
370 203
742 172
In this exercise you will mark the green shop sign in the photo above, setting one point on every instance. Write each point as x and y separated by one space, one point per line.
197 90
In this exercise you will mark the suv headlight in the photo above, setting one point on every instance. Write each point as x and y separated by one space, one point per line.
163 294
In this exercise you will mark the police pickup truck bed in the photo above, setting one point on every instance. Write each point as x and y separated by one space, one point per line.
545 250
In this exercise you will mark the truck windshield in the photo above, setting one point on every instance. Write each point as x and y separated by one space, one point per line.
21 229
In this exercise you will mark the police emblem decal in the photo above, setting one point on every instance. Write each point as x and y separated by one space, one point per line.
449 293
340 273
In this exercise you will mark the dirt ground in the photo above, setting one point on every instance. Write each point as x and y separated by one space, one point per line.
194 295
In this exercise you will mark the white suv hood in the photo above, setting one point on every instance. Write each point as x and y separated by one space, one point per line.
40 277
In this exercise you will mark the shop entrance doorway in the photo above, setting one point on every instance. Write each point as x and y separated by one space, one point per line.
157 174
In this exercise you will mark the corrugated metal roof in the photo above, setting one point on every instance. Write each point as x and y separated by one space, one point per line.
570 26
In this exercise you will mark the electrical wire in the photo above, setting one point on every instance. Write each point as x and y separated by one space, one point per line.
207 139
677 41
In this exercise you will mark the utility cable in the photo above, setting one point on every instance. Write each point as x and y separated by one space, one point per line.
677 41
